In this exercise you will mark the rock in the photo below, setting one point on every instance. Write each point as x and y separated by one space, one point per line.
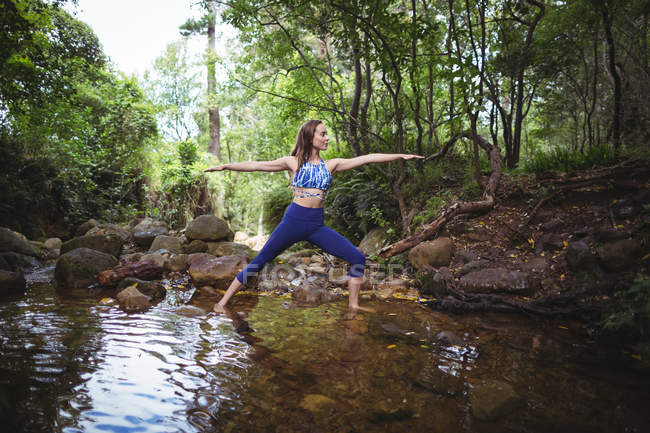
19 261
147 230
374 241
317 268
196 246
619 255
226 248
198 257
579 256
610 235
491 399
131 299
78 268
240 237
218 272
111 229
398 284
312 291
177 263
385 292
549 242
434 253
474 265
338 276
53 244
12 242
436 283
466 256
4 264
448 338
152 289
209 228
497 280
318 403
169 243
477 234
272 285
83 228
108 244
11 282
156 258
536 264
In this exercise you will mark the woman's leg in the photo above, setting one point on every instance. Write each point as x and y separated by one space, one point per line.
334 243
285 234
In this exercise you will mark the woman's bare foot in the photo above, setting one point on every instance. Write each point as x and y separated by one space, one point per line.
221 309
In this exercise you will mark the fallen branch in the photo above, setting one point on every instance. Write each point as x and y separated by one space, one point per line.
140 270
457 208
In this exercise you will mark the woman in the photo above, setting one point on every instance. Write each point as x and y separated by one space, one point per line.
303 220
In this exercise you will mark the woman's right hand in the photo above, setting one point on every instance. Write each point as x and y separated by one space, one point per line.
217 168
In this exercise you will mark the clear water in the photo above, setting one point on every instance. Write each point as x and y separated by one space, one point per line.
83 365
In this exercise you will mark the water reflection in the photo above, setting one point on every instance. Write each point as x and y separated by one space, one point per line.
77 365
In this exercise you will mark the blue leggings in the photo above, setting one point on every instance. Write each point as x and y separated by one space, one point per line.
301 223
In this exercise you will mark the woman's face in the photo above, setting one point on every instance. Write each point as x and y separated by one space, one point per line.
320 140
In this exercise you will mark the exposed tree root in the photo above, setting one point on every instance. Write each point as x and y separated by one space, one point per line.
564 305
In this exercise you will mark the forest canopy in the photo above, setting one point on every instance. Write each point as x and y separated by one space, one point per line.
552 84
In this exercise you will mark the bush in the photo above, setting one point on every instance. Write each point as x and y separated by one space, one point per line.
630 317
562 159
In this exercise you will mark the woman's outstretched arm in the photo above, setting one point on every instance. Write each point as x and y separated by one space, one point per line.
342 164
275 165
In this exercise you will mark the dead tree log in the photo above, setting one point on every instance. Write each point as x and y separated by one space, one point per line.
141 270
456 208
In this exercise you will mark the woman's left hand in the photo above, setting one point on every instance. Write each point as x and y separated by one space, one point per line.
406 156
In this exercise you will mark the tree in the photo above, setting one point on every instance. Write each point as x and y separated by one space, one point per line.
202 26
174 87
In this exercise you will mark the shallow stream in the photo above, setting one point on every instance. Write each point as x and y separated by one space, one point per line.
83 365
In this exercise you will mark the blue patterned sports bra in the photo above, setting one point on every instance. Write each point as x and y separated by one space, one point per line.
312 176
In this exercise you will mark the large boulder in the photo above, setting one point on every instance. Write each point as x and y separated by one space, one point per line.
430 254
18 261
497 280
53 244
169 243
209 228
619 255
12 242
218 272
147 230
83 228
579 256
374 241
196 246
492 398
78 268
226 248
132 300
153 289
108 243
124 232
313 291
11 282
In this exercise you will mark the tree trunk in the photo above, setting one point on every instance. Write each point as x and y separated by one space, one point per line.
140 270
214 146
615 75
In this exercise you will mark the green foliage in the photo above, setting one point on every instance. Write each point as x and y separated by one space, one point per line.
630 317
562 159
357 202
275 203
431 208
73 130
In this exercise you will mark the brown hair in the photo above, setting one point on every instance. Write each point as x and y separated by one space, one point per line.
304 141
